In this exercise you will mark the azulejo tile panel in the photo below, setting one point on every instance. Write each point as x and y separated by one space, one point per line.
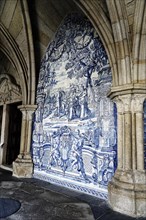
74 132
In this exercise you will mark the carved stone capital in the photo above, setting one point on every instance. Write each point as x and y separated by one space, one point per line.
30 110
24 113
123 103
119 105
27 111
126 100
137 102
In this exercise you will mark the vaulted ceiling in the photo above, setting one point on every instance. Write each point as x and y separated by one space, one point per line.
27 29
46 17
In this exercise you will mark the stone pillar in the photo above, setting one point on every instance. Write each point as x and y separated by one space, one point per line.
120 133
138 101
4 134
127 125
23 132
23 166
127 189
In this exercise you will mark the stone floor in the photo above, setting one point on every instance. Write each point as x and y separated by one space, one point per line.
44 201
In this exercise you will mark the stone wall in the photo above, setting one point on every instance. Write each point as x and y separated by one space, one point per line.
145 134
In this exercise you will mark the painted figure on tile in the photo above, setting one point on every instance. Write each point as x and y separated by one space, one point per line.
75 126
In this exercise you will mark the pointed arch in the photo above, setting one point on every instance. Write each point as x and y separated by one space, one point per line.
119 20
10 48
30 49
139 32
103 27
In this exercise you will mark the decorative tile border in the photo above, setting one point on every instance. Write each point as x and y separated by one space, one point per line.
66 183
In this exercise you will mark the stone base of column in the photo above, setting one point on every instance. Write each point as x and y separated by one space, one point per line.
22 168
127 193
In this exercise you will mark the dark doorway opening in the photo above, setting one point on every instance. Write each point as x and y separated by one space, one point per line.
14 132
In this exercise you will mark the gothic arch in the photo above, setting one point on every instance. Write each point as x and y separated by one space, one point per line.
9 47
30 49
113 33
118 17
139 42
10 91
103 28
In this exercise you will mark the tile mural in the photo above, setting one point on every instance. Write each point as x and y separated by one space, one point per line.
74 134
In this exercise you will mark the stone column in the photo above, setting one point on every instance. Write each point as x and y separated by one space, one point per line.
120 132
23 166
4 134
127 189
30 112
23 133
138 101
124 126
127 125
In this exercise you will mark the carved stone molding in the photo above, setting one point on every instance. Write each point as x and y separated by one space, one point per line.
27 111
119 105
126 100
130 103
137 102
10 91
137 88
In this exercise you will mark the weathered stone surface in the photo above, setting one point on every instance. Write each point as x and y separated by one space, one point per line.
22 169
127 193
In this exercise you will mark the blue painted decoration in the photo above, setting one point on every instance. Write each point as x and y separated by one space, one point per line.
74 135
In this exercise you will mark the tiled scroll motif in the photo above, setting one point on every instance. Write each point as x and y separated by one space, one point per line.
74 132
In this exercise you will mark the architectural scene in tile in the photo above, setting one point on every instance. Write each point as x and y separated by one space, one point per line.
73 96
